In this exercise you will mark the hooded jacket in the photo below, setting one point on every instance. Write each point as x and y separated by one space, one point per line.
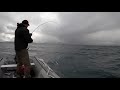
22 37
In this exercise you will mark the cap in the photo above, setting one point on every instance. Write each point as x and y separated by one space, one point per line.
25 22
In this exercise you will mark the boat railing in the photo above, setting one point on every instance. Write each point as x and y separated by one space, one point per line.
46 67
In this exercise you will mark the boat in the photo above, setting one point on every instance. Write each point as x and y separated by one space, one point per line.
40 69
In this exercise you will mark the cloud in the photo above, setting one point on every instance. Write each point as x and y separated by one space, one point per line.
104 37
70 27
80 25
6 37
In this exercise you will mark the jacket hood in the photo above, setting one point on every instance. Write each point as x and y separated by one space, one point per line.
20 25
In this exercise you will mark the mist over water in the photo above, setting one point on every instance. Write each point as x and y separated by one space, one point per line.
75 61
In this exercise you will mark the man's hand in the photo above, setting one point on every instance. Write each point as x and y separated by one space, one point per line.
30 34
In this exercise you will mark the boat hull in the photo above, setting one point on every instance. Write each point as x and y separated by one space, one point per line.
39 69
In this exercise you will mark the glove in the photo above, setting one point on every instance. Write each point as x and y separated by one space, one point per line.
30 34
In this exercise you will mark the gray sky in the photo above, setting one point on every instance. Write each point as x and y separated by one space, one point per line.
94 28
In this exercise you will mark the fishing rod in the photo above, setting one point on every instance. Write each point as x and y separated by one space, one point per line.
41 25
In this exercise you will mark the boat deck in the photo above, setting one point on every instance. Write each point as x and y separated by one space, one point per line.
39 68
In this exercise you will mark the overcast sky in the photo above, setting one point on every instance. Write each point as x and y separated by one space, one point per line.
94 28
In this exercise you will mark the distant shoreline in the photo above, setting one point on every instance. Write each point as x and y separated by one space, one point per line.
64 44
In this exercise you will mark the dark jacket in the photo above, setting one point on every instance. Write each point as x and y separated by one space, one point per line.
22 37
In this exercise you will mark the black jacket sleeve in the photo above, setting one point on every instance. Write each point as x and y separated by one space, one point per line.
27 36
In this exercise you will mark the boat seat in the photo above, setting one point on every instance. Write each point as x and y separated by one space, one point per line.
12 66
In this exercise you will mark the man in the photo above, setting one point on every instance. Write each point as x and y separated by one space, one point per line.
22 38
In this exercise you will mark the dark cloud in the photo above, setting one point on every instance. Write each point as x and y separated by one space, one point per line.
72 27
78 26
